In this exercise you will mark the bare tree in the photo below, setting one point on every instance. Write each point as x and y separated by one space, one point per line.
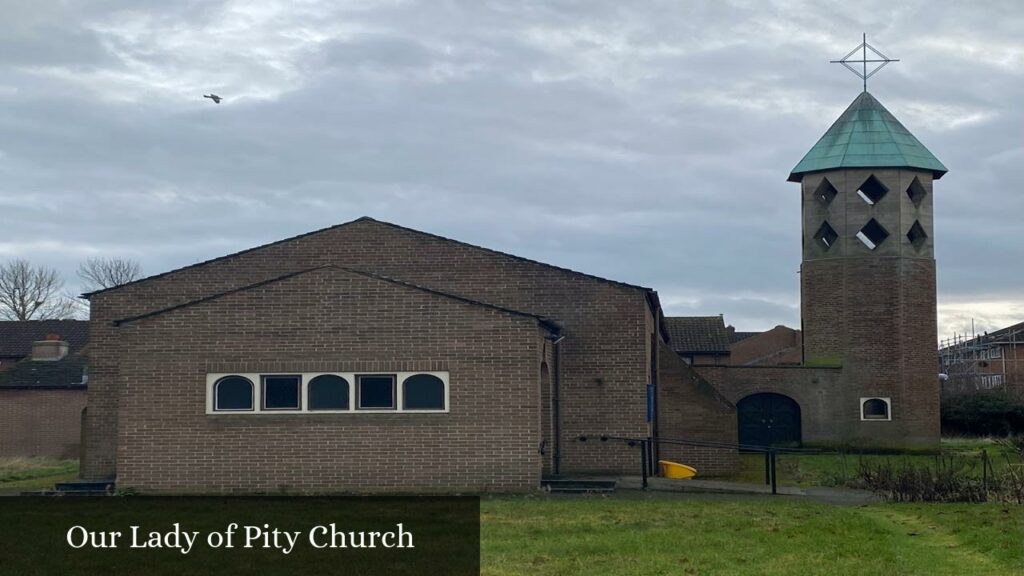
100 273
29 292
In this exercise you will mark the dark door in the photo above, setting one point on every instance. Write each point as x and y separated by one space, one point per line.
769 420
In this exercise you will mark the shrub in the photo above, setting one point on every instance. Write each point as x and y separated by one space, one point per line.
985 414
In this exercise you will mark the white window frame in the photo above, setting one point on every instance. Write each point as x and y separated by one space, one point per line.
394 392
351 377
263 386
888 409
211 396
996 352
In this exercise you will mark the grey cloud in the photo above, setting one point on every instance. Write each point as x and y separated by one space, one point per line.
647 142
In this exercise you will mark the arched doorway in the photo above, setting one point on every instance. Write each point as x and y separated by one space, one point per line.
768 419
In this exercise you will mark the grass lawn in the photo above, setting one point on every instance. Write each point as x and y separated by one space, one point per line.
658 535
838 470
18 474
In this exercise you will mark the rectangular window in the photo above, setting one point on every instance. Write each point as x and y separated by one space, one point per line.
997 380
376 392
329 394
997 352
281 392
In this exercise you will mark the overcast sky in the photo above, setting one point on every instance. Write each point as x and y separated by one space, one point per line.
648 142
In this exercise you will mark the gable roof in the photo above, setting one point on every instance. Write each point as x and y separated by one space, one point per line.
382 223
697 334
735 337
17 336
867 135
67 373
548 323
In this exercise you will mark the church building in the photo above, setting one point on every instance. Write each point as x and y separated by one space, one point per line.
369 357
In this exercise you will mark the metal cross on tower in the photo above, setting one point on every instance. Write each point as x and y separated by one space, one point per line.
863 74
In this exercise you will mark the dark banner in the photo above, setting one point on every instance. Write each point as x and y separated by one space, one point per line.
272 535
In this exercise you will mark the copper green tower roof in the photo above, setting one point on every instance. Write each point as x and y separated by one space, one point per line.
867 136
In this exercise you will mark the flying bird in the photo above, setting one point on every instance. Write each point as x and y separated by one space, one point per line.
213 97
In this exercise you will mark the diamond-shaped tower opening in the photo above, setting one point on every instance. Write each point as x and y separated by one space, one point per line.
917 235
826 236
872 234
872 190
826 192
916 192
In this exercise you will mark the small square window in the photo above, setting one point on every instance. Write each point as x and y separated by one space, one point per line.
826 236
825 192
916 192
281 392
872 234
376 392
872 190
874 409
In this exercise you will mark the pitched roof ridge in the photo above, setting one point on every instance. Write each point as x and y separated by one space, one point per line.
547 322
382 222
225 257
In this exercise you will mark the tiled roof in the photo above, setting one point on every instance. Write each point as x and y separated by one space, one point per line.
867 135
66 373
16 337
701 334
737 336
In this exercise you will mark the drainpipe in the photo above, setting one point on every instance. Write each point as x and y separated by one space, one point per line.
556 409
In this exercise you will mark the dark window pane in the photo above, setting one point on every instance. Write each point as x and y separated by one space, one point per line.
423 392
233 393
281 392
376 392
328 392
876 409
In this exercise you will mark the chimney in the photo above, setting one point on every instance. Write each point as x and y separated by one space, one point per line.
50 349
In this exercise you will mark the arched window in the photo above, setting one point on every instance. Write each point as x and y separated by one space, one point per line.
423 392
874 409
328 392
232 393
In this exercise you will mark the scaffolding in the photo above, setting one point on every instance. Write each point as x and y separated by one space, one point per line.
983 362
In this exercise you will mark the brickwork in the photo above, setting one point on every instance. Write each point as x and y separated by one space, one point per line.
330 320
603 358
689 408
874 310
41 422
780 345
824 416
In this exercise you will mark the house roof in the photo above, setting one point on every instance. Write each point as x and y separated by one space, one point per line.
548 323
383 223
697 334
653 301
68 373
867 135
17 336
735 337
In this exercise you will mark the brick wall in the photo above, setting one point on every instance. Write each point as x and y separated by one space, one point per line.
330 320
689 408
604 356
41 422
818 391
877 315
780 345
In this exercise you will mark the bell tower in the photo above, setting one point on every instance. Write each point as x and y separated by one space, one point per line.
868 276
